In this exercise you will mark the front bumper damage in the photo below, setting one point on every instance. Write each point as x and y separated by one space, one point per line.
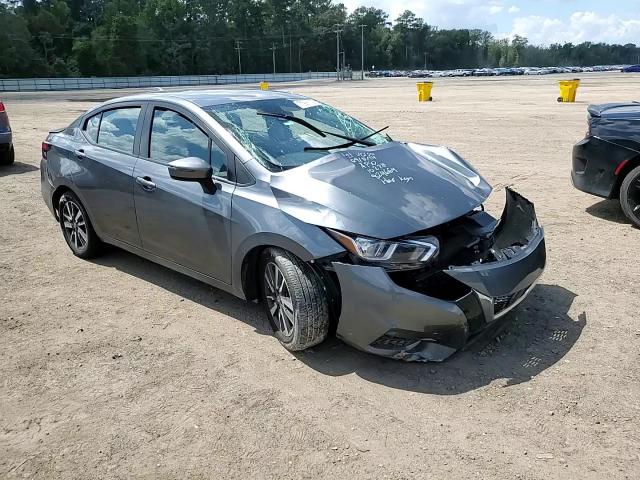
381 317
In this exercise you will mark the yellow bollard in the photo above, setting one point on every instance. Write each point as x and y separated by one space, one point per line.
264 86
424 91
568 90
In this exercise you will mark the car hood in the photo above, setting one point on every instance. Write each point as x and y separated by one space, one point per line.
386 191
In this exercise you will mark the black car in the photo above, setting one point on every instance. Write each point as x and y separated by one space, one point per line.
606 162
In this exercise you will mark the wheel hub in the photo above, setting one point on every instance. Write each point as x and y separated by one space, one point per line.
279 299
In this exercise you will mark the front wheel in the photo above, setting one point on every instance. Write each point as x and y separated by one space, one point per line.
295 300
630 196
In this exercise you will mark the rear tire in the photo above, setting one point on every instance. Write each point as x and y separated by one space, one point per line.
630 196
76 227
295 300
8 157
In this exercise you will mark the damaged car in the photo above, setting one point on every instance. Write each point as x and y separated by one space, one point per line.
606 163
279 198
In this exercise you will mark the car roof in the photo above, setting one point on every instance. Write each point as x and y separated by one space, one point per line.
205 98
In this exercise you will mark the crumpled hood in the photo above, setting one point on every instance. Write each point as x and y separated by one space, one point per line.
386 191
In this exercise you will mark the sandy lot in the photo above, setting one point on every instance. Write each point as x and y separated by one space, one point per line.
119 368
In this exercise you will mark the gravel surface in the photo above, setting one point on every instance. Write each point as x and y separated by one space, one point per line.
119 368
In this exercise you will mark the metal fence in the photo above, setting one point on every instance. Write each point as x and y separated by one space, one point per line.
44 84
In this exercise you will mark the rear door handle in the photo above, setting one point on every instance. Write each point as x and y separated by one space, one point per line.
146 183
80 155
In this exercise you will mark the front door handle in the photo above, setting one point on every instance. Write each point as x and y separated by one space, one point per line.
146 183
80 155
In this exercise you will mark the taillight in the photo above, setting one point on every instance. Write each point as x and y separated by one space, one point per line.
46 146
2 109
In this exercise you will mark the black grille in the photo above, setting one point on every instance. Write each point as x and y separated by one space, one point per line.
505 301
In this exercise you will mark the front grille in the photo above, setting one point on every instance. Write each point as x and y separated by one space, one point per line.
505 301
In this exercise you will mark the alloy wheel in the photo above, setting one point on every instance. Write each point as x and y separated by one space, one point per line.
279 299
633 196
74 225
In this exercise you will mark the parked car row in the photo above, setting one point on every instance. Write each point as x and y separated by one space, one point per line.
495 72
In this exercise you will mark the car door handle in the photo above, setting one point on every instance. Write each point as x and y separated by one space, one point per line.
80 155
146 183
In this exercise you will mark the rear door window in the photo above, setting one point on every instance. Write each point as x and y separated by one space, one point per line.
118 128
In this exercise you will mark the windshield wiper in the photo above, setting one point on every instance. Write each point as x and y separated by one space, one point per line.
352 142
322 133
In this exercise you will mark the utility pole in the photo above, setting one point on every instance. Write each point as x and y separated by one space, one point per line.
238 48
425 60
290 64
300 42
273 56
337 25
362 51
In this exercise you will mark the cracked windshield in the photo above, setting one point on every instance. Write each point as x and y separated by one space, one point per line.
286 133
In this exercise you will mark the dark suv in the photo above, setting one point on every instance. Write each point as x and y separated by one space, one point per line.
7 154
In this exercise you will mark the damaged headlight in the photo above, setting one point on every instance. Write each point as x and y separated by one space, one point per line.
390 254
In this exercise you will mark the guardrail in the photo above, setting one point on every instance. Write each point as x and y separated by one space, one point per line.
90 83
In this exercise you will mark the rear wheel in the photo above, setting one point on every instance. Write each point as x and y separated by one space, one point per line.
76 227
8 157
295 300
630 196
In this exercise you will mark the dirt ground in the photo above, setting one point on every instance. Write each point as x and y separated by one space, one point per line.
119 368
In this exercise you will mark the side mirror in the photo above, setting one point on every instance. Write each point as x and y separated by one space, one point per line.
190 169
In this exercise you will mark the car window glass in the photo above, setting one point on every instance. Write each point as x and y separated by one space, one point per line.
91 127
118 128
174 136
219 161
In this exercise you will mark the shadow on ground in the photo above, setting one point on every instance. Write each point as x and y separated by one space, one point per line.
539 334
608 210
16 169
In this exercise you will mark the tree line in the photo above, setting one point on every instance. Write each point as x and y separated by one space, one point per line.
61 38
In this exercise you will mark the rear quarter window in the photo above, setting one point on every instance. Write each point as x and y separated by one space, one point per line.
91 127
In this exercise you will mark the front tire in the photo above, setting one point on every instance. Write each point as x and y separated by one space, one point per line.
76 227
630 196
295 300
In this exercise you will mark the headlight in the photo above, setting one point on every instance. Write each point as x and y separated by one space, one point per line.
390 254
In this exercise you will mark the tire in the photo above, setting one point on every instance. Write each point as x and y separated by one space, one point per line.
76 227
8 157
630 196
303 320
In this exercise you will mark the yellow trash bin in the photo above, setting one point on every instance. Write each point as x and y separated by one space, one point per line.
424 91
264 86
568 89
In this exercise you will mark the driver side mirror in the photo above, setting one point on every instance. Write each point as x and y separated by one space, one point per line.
190 169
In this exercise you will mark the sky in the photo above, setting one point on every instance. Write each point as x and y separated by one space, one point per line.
542 21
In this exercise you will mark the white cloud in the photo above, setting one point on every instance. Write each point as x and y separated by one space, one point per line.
442 13
513 9
580 27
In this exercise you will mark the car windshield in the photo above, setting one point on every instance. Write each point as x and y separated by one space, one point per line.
279 143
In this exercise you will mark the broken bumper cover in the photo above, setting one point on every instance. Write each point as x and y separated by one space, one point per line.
381 317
